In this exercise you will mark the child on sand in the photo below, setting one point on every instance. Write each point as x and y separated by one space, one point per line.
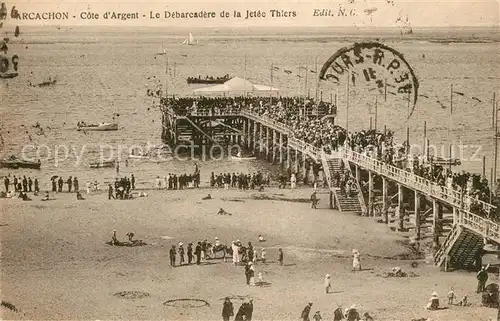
254 258
328 284
451 296
280 256
263 255
317 316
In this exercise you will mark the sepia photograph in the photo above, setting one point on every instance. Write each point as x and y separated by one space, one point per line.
250 160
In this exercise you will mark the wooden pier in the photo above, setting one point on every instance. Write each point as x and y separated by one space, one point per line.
408 202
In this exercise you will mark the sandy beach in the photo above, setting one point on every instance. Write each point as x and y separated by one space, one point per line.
56 264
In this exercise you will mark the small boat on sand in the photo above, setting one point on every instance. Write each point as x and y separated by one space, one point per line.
8 75
14 162
239 157
103 164
100 127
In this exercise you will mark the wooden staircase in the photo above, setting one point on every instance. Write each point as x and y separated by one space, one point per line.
331 165
460 249
347 204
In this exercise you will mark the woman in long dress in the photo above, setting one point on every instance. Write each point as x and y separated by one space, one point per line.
356 260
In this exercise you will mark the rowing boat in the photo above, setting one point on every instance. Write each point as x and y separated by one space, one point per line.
100 127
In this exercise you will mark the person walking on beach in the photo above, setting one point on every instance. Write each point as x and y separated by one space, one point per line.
328 284
60 183
6 183
70 184
263 255
305 313
30 184
181 253
37 187
280 256
110 192
314 200
158 183
190 253
356 260
293 181
172 256
76 185
247 273
25 184
132 180
197 252
54 185
227 309
482 278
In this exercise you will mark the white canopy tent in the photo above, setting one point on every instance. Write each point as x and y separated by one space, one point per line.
236 85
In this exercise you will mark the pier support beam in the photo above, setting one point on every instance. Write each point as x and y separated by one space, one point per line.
358 174
455 215
261 141
254 137
275 146
281 149
370 194
417 216
288 155
304 171
296 163
243 135
331 201
267 142
384 200
401 208
436 223
249 133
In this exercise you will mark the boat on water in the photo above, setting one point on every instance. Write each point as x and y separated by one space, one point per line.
190 40
82 126
103 164
208 80
162 51
14 162
16 33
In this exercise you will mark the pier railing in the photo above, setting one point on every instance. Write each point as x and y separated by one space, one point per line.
266 121
423 185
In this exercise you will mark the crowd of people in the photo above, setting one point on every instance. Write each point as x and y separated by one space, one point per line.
239 180
173 181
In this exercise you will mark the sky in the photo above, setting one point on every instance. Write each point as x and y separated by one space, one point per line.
360 13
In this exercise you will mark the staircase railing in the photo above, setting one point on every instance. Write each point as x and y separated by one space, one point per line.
266 121
326 171
442 252
411 180
361 198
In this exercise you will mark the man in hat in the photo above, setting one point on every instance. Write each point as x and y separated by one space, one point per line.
172 256
181 253
227 309
247 273
249 309
305 313
197 252
314 200
482 278
190 253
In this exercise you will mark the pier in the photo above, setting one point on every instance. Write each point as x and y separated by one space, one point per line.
399 198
